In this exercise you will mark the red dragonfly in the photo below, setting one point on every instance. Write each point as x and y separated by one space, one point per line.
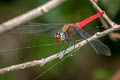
71 29
67 32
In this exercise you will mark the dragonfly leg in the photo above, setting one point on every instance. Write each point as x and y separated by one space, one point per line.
70 41
64 45
68 44
74 42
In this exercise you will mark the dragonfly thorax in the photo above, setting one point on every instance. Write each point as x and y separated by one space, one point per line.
66 31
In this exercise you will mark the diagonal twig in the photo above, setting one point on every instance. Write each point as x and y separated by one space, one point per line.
30 15
113 36
95 5
103 21
55 56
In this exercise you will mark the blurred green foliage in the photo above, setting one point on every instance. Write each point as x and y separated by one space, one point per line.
102 74
69 12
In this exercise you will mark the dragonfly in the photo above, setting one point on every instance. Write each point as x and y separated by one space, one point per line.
71 29
65 34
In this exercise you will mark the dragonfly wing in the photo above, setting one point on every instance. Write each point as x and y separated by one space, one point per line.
35 28
97 45
100 47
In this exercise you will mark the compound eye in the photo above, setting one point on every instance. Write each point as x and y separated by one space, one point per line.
58 37
62 36
57 33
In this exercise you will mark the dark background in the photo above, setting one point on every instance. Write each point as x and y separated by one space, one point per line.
85 64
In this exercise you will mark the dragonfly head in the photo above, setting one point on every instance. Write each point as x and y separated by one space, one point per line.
60 36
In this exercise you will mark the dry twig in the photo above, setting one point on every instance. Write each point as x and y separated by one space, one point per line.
113 36
55 56
39 11
29 15
104 15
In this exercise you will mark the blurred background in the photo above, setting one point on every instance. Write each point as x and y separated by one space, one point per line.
85 64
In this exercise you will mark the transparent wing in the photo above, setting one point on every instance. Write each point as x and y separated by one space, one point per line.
39 27
97 45
36 28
